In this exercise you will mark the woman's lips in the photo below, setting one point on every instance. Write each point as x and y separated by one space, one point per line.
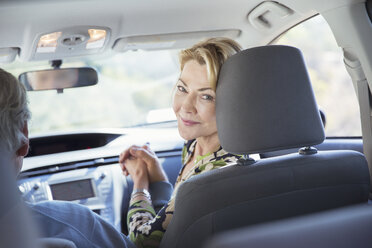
189 122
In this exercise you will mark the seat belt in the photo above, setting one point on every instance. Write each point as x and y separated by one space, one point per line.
362 89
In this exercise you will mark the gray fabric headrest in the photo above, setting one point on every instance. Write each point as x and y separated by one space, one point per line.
264 102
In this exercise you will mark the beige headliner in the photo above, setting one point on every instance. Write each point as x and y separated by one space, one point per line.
21 22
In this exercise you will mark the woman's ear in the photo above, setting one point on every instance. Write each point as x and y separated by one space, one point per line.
23 150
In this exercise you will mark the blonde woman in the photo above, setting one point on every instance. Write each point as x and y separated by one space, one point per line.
194 106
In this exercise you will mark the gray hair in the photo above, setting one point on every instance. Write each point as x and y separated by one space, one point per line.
14 111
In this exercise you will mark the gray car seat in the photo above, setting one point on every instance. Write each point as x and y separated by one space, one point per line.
342 228
265 103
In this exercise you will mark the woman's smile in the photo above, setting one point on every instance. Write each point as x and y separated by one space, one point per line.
189 122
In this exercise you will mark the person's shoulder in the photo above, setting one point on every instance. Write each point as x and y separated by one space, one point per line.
65 220
56 203
64 213
76 223
62 207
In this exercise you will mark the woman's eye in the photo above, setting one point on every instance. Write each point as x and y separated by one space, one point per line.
181 88
207 97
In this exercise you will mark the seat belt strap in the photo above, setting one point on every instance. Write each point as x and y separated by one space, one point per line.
364 97
363 92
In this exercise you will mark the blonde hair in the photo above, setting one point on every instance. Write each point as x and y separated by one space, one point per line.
213 53
14 111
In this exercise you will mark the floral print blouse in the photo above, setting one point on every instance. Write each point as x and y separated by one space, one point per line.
146 227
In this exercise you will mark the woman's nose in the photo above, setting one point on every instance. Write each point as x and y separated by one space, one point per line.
188 105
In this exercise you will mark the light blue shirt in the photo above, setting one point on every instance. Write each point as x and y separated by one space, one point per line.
77 223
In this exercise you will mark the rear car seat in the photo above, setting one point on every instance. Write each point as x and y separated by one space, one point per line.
341 228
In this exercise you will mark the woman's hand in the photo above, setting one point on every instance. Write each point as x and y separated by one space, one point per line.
155 171
138 171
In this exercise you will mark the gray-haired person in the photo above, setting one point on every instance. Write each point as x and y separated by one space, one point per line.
58 219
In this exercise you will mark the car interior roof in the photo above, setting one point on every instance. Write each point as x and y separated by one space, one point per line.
27 20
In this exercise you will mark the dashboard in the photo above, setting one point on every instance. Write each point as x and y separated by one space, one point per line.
69 142
83 168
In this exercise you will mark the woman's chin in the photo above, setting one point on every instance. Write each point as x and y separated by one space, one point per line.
186 135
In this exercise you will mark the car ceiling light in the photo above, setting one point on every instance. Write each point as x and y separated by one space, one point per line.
97 38
70 41
48 43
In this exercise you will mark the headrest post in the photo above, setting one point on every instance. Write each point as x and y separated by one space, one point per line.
246 160
309 150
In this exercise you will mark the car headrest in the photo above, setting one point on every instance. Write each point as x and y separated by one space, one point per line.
264 102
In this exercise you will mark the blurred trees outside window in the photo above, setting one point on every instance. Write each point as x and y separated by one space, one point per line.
332 84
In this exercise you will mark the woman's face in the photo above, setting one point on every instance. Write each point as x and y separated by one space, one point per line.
194 102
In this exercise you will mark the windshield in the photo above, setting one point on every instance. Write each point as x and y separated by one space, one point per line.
133 88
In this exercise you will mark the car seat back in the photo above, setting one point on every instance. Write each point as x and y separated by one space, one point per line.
264 102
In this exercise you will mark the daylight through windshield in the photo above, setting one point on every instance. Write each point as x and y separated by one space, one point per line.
133 88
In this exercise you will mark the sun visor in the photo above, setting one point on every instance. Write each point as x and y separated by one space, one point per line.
170 41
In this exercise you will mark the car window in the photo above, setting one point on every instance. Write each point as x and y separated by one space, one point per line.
133 88
332 85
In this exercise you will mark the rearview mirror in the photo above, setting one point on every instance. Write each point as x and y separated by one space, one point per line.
59 79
